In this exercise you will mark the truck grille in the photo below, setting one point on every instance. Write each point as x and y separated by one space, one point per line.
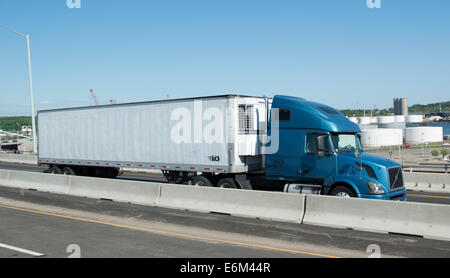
395 178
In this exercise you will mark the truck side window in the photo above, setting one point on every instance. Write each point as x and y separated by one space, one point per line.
311 143
284 115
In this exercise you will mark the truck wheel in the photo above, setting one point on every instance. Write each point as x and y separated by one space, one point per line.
201 181
227 183
342 191
68 171
54 170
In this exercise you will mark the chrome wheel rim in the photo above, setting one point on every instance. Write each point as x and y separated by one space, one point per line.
343 194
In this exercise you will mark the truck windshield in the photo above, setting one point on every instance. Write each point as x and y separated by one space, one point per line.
346 142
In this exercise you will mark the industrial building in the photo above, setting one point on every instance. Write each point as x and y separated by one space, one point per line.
400 106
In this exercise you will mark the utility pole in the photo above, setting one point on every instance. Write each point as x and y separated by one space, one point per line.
30 77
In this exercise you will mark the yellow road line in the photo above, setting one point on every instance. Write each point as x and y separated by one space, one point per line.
429 196
172 233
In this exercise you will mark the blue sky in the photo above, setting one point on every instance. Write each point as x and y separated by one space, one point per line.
337 52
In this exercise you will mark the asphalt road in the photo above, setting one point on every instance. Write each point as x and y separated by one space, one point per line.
413 196
57 235
37 224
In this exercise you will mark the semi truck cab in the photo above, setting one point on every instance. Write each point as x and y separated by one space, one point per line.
320 152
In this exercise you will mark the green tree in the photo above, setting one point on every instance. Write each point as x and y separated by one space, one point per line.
444 152
434 153
14 123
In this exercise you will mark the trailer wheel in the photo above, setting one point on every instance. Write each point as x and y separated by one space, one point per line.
227 183
54 170
68 171
201 181
342 191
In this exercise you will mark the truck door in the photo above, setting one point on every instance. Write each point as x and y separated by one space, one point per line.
318 162
285 163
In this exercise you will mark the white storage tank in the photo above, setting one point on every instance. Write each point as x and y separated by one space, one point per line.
386 119
365 127
393 125
399 118
414 119
374 120
381 137
364 120
353 120
396 125
423 134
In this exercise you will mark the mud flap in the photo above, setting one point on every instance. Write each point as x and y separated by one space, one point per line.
243 182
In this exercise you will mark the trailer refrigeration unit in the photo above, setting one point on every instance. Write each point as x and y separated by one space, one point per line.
285 143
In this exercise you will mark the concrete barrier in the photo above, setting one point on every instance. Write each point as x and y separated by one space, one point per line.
143 193
19 158
257 204
427 182
38 181
4 177
136 192
427 220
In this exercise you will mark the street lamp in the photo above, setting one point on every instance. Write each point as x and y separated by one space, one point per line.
33 122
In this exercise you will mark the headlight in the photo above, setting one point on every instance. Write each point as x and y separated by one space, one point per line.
375 188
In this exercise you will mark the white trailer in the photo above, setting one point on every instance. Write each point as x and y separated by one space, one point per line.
216 136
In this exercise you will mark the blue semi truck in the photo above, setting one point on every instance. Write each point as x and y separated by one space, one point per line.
215 141
319 145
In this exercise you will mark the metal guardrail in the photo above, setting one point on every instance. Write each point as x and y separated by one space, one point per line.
441 167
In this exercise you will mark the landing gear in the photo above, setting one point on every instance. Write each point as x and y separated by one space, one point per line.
177 176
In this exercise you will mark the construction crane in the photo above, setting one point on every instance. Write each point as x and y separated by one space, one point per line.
93 96
112 101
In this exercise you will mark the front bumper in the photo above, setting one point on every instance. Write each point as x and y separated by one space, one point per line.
397 195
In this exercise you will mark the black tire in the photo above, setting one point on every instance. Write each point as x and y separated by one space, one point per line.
68 171
201 181
115 172
54 170
227 183
342 191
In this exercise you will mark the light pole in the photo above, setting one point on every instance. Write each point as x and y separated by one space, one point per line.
33 121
